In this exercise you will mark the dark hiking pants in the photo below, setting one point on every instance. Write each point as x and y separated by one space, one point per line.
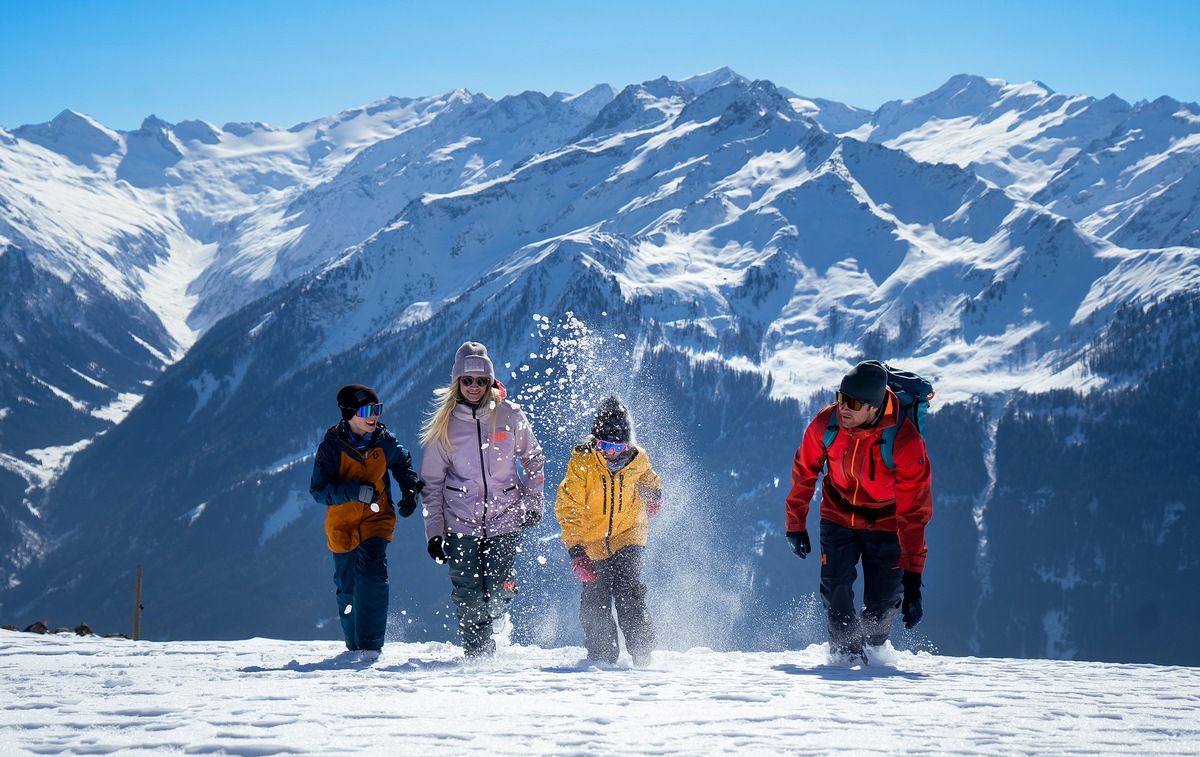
618 582
841 550
483 577
360 576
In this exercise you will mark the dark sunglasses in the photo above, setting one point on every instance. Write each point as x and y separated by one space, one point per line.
367 411
850 402
617 447
476 381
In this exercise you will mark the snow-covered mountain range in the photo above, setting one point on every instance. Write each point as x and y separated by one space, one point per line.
186 299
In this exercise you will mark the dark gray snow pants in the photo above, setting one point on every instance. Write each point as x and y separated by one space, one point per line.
484 580
618 582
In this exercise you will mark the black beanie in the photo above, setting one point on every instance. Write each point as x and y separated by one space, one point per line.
866 382
351 398
612 421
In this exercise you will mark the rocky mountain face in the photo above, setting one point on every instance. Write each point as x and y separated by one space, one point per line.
716 251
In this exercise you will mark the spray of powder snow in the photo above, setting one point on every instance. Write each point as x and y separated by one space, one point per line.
697 573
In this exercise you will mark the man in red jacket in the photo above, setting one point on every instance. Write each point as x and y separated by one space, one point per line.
869 512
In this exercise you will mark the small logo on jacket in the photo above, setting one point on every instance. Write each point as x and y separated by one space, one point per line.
500 436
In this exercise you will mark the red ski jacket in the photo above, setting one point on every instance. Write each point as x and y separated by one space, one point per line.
859 490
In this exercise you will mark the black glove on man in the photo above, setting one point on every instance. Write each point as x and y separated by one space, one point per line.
437 551
531 519
910 607
800 543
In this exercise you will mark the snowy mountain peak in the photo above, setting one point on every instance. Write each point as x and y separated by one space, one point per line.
197 131
247 128
593 100
73 135
962 95
638 106
391 102
701 83
153 125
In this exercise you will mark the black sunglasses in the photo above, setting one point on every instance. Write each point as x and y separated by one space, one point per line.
476 381
850 402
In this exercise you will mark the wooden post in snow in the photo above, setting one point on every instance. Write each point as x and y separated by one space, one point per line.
137 604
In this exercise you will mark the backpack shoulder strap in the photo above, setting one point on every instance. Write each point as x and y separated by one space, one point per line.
887 440
831 429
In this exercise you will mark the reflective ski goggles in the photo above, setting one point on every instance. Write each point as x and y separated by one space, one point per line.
850 402
370 411
475 381
617 447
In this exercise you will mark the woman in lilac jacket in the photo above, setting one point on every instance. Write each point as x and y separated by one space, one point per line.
478 502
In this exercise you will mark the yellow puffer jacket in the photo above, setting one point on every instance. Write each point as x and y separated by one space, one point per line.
602 510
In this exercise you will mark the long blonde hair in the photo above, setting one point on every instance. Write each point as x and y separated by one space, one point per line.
436 426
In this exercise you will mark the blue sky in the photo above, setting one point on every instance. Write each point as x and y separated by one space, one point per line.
287 62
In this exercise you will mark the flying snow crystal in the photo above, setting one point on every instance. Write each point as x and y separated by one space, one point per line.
348 609
374 507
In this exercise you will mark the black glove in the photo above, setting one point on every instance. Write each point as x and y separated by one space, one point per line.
437 551
800 543
366 493
910 607
407 504
531 519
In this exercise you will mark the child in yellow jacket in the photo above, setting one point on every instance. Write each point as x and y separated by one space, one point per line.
604 505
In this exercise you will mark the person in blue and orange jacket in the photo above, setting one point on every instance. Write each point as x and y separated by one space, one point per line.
869 512
351 478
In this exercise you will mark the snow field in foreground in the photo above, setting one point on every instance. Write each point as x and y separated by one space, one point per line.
262 696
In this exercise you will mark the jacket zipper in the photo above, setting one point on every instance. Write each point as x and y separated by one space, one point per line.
606 494
853 480
482 470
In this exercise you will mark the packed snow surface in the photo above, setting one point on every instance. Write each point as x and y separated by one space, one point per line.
84 695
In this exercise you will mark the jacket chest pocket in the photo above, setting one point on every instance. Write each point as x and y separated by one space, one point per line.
835 454
454 494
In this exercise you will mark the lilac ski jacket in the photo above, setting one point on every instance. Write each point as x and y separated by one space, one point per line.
475 488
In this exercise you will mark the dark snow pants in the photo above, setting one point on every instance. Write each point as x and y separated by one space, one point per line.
483 575
841 550
360 576
618 582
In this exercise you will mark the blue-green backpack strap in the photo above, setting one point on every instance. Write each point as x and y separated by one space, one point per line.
887 440
831 429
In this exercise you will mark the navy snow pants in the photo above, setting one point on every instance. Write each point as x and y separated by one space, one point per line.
841 550
618 582
483 577
360 576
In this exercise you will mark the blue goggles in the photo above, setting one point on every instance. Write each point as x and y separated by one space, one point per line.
617 447
370 411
